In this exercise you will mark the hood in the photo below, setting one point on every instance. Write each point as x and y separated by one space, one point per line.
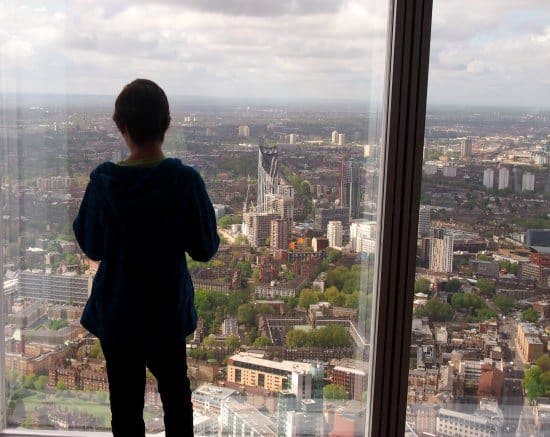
136 194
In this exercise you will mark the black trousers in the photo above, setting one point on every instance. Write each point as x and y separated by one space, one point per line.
126 373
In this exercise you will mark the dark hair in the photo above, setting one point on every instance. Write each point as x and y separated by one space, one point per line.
141 110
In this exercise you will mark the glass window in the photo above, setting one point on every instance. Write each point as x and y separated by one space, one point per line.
279 106
478 334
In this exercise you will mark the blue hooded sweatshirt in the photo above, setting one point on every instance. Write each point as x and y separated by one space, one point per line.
140 222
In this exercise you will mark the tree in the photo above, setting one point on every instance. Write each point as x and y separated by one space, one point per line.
96 351
536 380
262 341
232 342
422 285
486 287
246 313
467 301
436 311
453 286
530 315
327 337
504 303
40 382
28 380
60 386
209 342
335 392
307 298
333 296
296 338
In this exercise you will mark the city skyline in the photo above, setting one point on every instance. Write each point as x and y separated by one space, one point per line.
331 50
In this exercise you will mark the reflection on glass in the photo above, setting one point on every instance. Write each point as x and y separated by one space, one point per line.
287 138
479 362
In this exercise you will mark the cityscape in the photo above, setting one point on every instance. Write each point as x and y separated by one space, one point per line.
282 344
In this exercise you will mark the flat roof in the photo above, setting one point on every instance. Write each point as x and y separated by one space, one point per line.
287 366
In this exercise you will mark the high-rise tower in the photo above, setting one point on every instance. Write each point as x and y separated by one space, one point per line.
350 188
268 175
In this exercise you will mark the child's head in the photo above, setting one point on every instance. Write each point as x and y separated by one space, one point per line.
142 112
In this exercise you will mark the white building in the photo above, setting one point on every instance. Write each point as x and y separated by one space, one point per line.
362 236
240 419
489 178
528 182
341 139
454 423
334 233
441 252
503 178
292 138
230 327
244 131
334 137
449 172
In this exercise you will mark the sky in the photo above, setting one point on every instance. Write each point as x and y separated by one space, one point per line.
490 52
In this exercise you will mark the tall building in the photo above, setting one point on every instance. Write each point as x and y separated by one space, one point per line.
516 180
279 236
60 289
244 131
292 139
424 221
362 236
503 178
466 148
528 182
334 233
268 175
324 215
341 139
489 178
334 137
350 186
257 227
441 252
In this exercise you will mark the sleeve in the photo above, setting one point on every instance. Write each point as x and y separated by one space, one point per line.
203 240
88 225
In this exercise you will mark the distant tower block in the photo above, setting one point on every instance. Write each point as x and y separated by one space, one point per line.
268 175
528 182
503 178
334 137
489 178
334 233
244 131
341 139
292 138
466 148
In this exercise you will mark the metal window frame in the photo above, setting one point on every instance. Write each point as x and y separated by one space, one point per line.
405 113
407 60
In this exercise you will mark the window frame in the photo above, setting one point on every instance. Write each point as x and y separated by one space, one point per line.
406 81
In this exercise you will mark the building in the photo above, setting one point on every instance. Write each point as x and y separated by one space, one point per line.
242 419
279 235
251 370
503 178
334 137
441 252
292 138
424 221
268 175
362 236
449 172
485 268
341 139
537 237
257 227
208 398
350 186
352 375
489 178
324 215
530 345
466 148
528 182
244 131
334 233
60 289
319 243
230 327
450 423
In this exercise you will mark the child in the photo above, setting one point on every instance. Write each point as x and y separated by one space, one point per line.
139 218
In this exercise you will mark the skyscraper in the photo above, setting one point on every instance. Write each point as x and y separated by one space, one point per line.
334 137
466 148
341 139
528 182
503 178
268 175
489 178
423 221
441 251
350 188
334 233
244 131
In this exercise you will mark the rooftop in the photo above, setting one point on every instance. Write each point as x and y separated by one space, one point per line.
287 366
